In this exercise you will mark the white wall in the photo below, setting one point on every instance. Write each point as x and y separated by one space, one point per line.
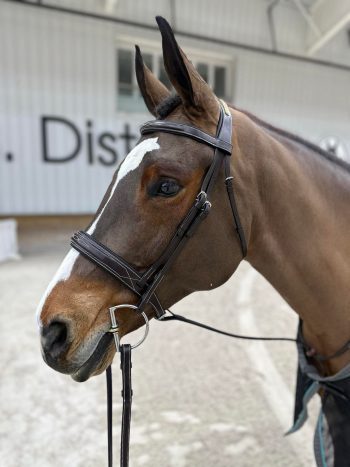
61 65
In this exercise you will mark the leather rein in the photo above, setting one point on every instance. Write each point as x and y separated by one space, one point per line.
144 285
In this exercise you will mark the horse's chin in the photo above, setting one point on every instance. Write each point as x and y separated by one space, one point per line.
86 372
100 359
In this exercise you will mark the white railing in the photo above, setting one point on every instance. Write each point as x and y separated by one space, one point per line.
8 240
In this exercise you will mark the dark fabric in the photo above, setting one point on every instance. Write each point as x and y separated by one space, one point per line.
303 384
337 412
332 434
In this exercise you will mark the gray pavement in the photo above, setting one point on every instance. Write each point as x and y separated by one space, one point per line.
199 399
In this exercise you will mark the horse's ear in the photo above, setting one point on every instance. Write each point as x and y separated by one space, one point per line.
152 90
193 90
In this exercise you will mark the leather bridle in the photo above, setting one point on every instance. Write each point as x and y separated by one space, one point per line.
144 285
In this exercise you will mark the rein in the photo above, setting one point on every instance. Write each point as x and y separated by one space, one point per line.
125 366
144 285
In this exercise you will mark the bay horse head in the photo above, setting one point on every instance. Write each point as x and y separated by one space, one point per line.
148 199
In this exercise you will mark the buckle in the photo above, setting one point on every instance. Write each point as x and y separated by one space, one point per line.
205 210
202 204
201 199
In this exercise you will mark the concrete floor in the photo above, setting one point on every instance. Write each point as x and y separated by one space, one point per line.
192 406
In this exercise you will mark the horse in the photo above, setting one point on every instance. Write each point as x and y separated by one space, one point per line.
293 201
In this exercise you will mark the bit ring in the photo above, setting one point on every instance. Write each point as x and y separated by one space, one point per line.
115 328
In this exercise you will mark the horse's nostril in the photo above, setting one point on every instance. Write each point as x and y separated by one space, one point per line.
54 338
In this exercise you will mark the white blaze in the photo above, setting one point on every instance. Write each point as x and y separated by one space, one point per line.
131 162
62 274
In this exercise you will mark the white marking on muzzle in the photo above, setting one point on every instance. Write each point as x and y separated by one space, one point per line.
131 162
62 274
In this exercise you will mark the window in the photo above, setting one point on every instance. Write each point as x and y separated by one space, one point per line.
129 99
203 70
219 84
216 76
125 72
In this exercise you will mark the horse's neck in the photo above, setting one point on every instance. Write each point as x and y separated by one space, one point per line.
300 233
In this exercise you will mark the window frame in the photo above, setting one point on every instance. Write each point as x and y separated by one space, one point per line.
211 59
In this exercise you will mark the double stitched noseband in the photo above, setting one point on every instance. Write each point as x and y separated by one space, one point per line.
144 284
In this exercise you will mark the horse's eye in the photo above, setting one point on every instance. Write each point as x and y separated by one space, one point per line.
165 188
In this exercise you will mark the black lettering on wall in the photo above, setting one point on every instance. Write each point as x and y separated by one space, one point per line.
103 143
89 142
49 120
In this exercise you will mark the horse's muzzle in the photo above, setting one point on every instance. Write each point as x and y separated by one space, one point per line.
55 339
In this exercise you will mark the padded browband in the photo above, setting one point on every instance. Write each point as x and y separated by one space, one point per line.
181 129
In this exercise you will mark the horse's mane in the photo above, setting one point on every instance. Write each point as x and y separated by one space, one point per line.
173 101
298 139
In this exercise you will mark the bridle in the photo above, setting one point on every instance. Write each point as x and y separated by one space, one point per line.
144 284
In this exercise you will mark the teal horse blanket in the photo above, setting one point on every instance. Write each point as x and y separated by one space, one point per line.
332 434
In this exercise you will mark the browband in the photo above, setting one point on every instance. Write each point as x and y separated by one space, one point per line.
181 129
